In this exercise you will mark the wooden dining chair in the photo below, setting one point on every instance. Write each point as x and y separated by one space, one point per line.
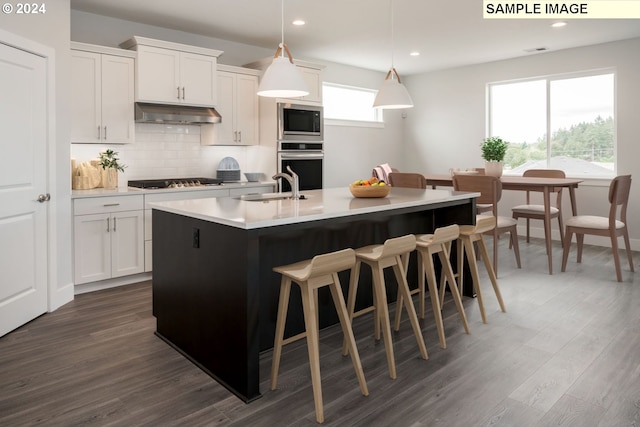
490 189
613 226
480 207
533 211
407 179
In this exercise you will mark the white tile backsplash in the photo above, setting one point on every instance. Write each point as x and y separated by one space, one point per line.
166 151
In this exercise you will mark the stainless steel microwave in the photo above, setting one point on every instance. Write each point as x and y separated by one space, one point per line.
297 122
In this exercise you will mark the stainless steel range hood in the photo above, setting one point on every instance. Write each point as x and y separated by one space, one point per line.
175 114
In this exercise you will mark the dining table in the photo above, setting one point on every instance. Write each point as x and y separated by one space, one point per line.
520 183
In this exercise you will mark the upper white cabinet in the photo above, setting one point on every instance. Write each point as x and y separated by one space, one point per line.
314 84
238 106
102 94
173 73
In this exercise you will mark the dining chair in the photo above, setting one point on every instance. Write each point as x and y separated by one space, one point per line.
614 226
490 189
480 207
535 211
407 179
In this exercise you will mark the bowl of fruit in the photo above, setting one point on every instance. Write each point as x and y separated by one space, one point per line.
371 187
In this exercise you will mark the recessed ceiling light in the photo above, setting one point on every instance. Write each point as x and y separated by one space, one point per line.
298 22
414 53
558 24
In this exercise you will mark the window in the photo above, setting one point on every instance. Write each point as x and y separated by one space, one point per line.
562 122
349 103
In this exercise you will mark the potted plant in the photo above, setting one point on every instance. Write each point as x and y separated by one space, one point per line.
110 167
493 150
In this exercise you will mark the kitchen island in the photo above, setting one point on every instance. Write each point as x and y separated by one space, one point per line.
215 295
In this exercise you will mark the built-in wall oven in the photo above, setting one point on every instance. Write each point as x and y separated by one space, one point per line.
305 159
300 140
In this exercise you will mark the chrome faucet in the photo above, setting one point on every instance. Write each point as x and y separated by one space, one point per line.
293 181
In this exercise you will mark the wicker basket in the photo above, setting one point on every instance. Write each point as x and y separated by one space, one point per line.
370 191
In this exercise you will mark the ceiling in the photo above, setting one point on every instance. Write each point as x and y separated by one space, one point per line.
447 33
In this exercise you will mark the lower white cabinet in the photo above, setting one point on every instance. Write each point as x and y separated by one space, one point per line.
113 234
108 237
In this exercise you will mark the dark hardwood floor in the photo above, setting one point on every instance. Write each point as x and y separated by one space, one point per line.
566 353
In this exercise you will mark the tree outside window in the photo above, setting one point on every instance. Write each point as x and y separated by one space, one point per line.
562 122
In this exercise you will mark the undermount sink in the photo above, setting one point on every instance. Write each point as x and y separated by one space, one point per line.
264 197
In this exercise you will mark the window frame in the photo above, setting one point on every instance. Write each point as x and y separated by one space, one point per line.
379 123
548 79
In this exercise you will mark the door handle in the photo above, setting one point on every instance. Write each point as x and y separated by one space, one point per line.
183 92
44 198
239 136
105 133
178 92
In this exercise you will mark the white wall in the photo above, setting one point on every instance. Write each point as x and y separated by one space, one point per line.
52 29
447 124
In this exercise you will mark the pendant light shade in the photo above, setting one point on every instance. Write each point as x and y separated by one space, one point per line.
282 79
392 93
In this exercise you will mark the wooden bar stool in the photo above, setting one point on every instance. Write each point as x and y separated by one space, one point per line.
379 257
311 275
468 235
428 245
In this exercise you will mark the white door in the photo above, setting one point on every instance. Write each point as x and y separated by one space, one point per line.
23 220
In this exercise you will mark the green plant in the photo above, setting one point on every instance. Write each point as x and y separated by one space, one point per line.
494 149
108 160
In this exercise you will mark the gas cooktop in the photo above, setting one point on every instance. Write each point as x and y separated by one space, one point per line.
173 183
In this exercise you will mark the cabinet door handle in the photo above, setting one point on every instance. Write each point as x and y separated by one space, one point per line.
111 204
115 224
178 92
183 92
107 225
105 133
235 135
239 136
99 133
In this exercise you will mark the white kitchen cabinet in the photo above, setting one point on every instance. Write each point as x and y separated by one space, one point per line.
102 95
173 73
108 237
314 84
238 106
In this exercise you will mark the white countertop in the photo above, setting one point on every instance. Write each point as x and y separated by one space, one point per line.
319 204
128 191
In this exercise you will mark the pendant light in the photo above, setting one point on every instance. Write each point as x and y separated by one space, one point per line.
392 93
282 79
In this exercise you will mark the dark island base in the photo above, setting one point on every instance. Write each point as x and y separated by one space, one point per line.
215 295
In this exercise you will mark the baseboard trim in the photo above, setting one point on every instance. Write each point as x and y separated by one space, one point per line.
111 283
